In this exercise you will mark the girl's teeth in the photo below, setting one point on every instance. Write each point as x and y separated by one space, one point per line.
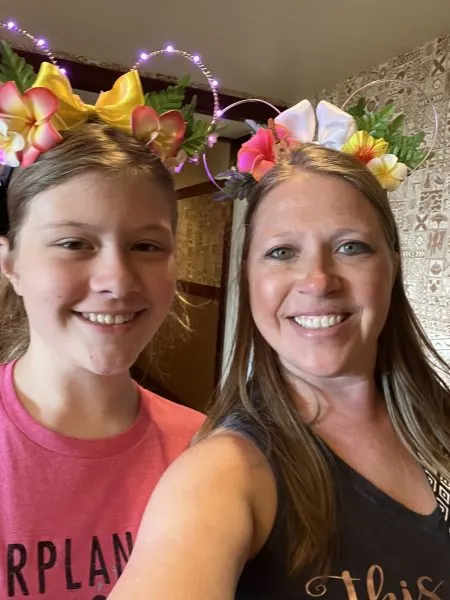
322 322
106 319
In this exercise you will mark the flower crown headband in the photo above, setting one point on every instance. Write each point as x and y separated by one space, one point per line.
376 138
34 109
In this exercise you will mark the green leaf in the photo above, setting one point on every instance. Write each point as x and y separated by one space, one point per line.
15 68
184 81
195 140
394 149
407 150
188 111
386 112
397 124
172 98
359 110
418 138
415 159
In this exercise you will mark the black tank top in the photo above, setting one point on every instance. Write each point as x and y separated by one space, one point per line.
385 551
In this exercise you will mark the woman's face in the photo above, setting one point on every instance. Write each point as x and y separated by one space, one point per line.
320 277
94 263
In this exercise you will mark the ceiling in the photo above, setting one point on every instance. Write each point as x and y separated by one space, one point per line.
283 50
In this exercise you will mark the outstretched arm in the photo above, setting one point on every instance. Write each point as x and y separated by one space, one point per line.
211 511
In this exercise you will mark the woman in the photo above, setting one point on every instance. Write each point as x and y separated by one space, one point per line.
88 277
309 478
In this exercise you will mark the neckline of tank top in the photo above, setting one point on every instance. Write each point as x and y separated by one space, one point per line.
364 486
432 522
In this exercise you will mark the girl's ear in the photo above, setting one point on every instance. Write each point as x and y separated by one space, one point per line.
7 264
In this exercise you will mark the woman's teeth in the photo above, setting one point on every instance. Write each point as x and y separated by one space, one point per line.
321 322
107 319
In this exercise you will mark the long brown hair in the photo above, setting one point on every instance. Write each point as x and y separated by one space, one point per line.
417 397
92 147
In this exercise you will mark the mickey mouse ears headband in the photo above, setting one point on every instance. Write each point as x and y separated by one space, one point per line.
36 108
379 137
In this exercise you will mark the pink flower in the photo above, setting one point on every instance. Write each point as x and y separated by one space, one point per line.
260 153
29 114
164 133
257 156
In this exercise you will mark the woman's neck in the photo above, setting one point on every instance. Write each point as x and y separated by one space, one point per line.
355 398
75 402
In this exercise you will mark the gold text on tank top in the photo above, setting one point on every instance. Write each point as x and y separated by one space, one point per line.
373 587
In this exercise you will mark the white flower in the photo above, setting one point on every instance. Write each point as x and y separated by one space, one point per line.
389 172
11 143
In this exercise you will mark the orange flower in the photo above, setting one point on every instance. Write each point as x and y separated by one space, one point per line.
365 147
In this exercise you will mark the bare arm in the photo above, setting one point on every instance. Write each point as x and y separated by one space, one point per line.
211 511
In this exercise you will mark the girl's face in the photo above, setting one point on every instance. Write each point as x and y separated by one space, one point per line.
94 263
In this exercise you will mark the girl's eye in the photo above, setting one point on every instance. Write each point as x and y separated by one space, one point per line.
147 247
354 248
281 253
74 245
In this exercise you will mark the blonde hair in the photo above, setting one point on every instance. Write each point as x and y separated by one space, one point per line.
94 147
417 397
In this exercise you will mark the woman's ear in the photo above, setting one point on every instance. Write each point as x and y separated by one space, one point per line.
7 264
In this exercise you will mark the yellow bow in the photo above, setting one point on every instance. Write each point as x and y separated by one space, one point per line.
113 107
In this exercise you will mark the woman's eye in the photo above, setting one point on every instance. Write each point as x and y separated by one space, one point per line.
354 248
147 247
282 253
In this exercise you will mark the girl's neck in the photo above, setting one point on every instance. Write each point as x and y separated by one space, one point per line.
75 402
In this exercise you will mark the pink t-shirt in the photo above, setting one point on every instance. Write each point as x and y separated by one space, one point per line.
70 509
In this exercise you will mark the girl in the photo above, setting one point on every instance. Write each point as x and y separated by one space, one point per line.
88 277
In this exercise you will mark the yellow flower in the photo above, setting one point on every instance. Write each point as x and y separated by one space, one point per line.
365 147
389 172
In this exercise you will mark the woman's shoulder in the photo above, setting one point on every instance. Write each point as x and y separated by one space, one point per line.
226 455
228 469
234 446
